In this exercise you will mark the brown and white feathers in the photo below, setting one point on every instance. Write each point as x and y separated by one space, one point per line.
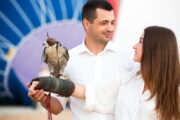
56 56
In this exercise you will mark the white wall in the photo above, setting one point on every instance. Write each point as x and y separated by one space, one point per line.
135 15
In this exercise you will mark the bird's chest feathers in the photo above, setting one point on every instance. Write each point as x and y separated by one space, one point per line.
53 53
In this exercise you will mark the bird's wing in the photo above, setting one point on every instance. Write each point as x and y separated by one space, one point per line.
44 55
66 55
58 59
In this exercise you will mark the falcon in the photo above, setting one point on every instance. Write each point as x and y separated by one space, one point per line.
56 56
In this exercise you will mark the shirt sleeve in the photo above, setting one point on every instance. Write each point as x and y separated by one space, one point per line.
90 98
101 98
62 100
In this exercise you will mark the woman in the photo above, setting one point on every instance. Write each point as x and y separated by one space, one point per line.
152 93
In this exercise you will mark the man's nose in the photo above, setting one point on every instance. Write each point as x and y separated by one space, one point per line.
110 27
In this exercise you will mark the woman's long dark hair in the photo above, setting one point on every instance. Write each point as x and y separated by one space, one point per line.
160 68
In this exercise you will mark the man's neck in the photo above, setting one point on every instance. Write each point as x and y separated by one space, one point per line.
94 47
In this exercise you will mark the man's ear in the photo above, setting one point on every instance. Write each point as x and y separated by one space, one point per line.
86 23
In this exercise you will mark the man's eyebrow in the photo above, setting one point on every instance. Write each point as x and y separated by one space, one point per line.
113 21
104 21
107 21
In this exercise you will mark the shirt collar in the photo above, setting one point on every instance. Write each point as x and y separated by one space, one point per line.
83 48
109 47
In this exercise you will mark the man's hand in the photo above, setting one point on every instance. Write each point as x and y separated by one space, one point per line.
36 95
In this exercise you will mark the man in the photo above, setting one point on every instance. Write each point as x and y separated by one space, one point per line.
95 67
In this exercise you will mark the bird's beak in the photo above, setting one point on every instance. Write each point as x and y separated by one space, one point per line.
43 44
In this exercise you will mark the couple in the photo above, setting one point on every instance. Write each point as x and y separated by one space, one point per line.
107 84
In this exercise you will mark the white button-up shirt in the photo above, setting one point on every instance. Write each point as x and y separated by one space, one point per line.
131 103
100 74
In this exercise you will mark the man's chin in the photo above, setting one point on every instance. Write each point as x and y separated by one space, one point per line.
107 39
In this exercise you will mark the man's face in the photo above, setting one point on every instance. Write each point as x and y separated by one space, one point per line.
103 26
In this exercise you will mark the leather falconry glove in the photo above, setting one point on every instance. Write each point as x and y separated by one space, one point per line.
55 85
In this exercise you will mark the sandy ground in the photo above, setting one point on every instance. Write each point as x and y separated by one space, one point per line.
26 113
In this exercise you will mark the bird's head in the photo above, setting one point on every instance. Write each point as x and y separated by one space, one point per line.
50 42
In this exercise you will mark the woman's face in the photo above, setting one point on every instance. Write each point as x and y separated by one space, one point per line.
138 49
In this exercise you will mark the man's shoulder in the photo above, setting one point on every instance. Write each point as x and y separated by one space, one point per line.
124 54
75 50
122 51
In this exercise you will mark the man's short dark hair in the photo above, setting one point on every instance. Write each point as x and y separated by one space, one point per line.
89 9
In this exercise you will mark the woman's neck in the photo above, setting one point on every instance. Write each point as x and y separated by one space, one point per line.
145 89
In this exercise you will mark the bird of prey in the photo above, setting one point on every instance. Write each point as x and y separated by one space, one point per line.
56 56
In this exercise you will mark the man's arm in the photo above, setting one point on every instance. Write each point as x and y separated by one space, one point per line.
56 106
79 91
40 96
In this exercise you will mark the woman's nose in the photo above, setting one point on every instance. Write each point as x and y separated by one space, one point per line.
135 46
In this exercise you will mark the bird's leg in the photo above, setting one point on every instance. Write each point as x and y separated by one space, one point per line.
58 75
51 71
51 74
